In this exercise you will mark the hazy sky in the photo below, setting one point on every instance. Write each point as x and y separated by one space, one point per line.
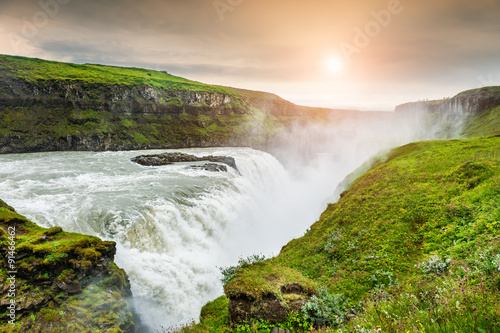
366 54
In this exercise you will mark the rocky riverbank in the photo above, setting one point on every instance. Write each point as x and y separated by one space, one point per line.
60 281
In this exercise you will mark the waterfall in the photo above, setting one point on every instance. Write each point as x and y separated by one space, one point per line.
173 225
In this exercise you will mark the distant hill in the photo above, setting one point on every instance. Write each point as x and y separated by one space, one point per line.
48 106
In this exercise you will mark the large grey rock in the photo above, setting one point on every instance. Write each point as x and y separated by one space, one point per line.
171 158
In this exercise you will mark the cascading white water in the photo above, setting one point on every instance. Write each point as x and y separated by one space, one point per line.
173 226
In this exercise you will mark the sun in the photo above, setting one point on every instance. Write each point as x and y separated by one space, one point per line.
334 64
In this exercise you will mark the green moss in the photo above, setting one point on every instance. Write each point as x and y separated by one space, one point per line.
140 138
213 317
127 123
175 101
4 205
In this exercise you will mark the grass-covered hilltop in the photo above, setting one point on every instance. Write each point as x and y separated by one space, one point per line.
55 281
48 106
413 245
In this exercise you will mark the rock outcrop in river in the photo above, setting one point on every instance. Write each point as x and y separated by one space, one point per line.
171 158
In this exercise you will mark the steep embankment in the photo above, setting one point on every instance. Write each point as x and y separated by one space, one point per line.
413 245
431 204
47 106
59 281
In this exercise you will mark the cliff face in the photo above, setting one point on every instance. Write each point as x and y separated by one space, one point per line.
122 100
64 115
59 281
467 103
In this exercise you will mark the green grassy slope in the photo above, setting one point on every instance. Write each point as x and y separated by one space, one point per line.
394 214
487 121
414 244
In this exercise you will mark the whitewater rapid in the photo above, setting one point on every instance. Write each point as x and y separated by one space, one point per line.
173 226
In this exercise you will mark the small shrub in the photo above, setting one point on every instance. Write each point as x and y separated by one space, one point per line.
140 138
330 309
127 123
229 273
333 239
383 279
434 265
488 263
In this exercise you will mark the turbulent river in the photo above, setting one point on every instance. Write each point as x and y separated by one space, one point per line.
173 225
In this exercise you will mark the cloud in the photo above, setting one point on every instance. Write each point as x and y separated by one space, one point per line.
430 43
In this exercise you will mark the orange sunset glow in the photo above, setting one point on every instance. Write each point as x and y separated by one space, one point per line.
368 55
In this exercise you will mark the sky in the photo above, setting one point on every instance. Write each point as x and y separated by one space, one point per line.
356 54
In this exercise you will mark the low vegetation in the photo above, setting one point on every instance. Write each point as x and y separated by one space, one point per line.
485 124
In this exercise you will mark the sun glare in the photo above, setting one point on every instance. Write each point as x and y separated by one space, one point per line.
334 64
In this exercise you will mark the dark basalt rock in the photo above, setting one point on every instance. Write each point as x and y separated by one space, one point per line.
270 307
171 158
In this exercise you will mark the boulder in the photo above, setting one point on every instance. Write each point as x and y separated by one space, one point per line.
268 292
171 158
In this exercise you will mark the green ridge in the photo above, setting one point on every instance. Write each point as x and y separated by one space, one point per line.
485 124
